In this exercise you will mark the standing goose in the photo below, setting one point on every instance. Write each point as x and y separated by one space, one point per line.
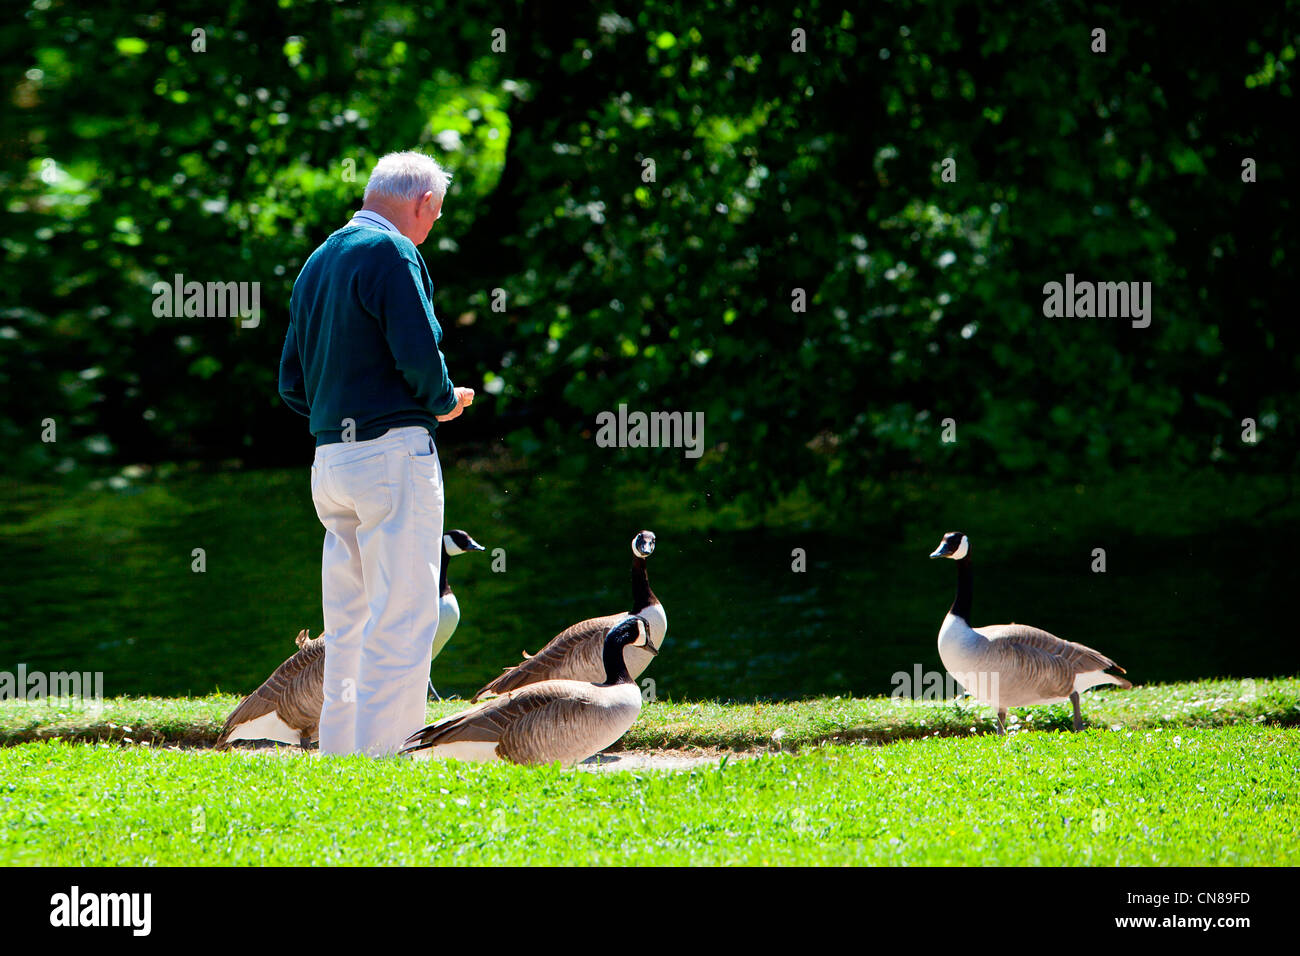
1013 665
287 706
453 542
549 721
576 653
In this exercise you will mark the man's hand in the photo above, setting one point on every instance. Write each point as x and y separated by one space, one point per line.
464 399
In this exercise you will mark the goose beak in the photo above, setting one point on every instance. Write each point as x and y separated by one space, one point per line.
938 552
475 546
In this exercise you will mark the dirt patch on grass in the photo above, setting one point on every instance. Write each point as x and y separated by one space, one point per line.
609 762
662 759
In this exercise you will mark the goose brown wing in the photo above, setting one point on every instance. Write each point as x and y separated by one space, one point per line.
576 653
496 719
1041 659
296 690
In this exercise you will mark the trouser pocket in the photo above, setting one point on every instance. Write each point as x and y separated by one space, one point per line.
366 484
425 475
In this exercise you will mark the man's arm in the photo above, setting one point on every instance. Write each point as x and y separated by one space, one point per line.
405 314
291 380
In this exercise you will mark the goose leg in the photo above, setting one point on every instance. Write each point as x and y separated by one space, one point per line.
433 692
1078 715
1002 721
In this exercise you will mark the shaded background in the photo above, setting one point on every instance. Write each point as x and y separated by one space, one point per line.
126 157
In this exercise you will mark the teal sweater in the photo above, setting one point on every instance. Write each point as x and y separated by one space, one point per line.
363 339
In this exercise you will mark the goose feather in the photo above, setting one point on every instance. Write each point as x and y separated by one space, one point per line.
287 706
576 654
1015 665
561 721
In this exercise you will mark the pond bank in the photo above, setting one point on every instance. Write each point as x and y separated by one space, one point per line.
194 722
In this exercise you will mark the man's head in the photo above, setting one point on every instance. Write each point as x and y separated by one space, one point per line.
407 189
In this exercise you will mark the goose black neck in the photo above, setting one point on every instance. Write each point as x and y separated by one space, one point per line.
615 666
961 604
443 587
642 596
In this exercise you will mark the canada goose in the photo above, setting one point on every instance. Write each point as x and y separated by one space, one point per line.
453 542
547 721
576 653
287 706
1013 665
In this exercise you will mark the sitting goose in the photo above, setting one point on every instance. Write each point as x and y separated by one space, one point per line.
576 652
287 706
548 721
1013 665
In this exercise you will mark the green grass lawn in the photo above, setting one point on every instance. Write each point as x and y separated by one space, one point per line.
1220 796
1182 774
727 726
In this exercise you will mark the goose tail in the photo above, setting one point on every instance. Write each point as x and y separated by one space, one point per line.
223 738
1100 679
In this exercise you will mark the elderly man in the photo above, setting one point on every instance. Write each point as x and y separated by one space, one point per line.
361 360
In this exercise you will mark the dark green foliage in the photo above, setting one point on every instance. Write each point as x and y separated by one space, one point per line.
773 170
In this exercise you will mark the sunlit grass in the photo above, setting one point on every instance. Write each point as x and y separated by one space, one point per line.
1198 796
725 726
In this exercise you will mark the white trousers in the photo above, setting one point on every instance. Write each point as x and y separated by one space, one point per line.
381 504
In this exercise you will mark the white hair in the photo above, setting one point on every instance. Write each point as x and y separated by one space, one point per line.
407 175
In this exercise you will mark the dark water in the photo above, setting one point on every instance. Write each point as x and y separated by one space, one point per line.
103 582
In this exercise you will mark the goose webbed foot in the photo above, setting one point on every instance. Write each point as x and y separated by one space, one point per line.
1078 715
